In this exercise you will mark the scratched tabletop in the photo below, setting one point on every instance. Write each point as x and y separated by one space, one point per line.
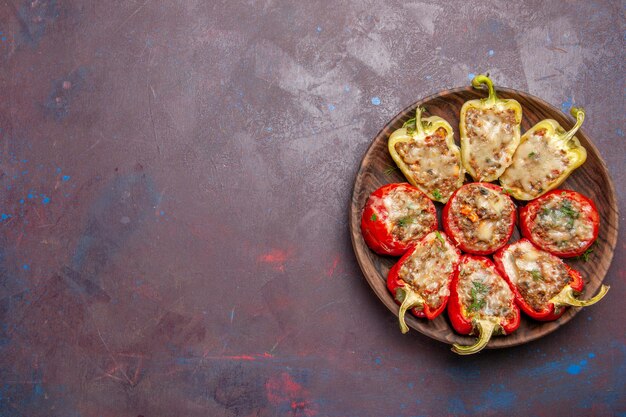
175 181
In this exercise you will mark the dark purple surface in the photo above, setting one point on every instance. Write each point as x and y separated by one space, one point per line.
175 181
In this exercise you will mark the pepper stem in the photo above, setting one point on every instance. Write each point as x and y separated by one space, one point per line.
566 297
409 299
418 121
485 329
480 79
579 114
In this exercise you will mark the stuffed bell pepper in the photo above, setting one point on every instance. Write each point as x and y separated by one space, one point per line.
395 216
562 222
479 218
490 133
544 286
420 280
481 303
425 152
546 156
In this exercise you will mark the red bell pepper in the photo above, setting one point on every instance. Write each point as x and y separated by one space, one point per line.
481 303
562 222
544 285
420 280
479 218
395 216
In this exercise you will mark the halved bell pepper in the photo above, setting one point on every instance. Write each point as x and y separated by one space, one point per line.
395 216
544 286
481 303
490 133
546 156
425 152
420 280
562 222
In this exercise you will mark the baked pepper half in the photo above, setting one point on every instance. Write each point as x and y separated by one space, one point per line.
546 156
420 280
544 286
481 303
490 133
562 222
395 216
425 152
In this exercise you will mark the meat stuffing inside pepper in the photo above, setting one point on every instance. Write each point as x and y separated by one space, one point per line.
429 269
538 275
492 139
432 163
484 293
484 216
537 163
408 218
561 224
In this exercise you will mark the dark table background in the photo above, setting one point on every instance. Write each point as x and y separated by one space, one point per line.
175 183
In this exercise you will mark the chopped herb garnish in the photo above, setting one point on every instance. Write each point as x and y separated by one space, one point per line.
585 255
507 191
477 296
410 126
530 155
440 238
389 170
374 217
536 274
436 194
405 220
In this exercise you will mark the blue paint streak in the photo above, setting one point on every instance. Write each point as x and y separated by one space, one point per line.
619 132
378 361
65 178
331 107
45 200
471 76
25 267
376 101
567 104
491 52
574 369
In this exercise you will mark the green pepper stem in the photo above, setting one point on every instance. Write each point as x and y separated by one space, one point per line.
480 79
485 329
409 299
579 114
566 297
419 129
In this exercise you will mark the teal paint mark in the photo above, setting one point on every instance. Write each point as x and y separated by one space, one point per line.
376 101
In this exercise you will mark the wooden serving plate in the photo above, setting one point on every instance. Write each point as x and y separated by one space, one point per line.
591 179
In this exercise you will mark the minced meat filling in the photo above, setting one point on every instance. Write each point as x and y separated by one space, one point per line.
561 224
409 217
483 292
428 270
482 217
433 165
539 275
491 135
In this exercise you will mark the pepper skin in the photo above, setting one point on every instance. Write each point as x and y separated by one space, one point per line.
546 156
490 133
562 222
562 282
454 219
417 288
389 233
477 315
425 152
